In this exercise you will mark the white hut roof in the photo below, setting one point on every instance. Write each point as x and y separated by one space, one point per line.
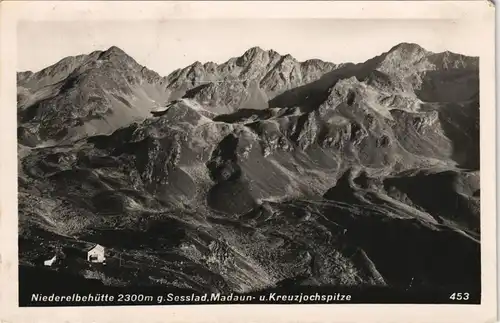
97 247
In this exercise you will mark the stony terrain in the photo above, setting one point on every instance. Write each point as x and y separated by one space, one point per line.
254 173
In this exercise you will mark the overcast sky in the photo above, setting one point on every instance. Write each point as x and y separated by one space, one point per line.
170 44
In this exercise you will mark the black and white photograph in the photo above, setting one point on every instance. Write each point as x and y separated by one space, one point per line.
249 161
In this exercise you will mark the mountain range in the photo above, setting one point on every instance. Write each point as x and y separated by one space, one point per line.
255 173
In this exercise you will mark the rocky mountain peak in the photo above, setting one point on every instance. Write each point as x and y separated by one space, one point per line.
405 58
197 64
119 58
114 50
408 48
254 51
256 57
257 51
113 53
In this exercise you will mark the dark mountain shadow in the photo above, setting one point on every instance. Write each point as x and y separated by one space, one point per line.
31 112
163 234
460 123
437 194
242 115
429 256
343 190
231 196
223 162
457 93
194 91
311 95
452 85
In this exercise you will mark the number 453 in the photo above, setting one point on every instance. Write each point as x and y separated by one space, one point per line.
459 296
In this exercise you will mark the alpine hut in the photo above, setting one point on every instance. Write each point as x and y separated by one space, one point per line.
96 254
50 261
